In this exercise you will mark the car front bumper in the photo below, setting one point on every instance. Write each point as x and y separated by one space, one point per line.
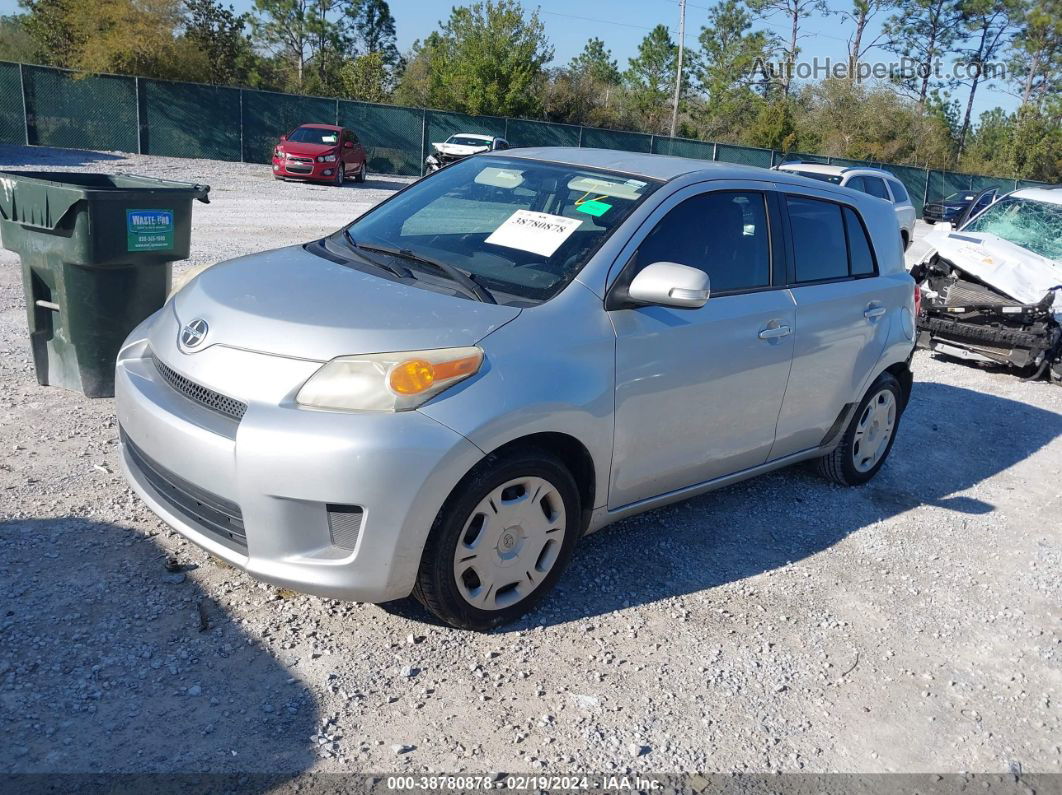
289 480
288 169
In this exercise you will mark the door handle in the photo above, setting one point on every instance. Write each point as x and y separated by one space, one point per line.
775 332
873 311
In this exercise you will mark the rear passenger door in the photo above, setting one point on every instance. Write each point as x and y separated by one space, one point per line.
841 321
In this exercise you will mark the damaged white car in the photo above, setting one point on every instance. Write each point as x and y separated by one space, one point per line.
991 290
458 147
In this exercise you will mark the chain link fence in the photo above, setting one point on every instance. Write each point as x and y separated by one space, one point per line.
42 106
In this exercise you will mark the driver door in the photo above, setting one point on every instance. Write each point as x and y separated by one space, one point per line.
698 391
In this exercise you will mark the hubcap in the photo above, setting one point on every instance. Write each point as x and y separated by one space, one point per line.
510 543
874 430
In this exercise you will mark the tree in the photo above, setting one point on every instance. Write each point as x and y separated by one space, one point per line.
596 63
650 79
923 32
990 24
299 31
1036 63
727 68
774 126
55 43
219 33
794 11
487 58
372 29
860 15
367 78
16 43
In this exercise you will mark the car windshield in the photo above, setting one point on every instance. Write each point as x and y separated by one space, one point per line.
462 140
834 179
522 228
959 197
1028 223
314 135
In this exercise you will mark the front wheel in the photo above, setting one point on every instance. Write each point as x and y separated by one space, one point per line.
868 439
500 542
341 175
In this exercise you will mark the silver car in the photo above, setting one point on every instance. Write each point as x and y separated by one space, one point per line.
444 396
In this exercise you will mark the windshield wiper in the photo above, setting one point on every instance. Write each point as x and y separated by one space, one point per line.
401 273
462 277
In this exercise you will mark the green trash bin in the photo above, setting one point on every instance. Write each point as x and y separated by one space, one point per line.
96 252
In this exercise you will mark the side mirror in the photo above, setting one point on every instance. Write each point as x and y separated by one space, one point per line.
283 138
348 144
670 284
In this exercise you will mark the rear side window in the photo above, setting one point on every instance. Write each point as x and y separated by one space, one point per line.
859 251
899 192
819 247
875 186
723 233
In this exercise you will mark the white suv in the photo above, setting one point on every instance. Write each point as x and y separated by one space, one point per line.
875 181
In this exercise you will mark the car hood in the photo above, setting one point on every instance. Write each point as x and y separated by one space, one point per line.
289 302
293 148
459 150
1015 271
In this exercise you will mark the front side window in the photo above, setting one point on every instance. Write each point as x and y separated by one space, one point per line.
723 233
523 228
819 247
1028 223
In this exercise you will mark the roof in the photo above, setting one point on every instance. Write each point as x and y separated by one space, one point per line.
1050 194
321 126
474 135
663 167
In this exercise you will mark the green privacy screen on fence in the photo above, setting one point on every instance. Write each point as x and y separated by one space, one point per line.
54 107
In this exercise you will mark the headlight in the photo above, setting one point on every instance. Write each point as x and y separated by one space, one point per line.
388 381
326 159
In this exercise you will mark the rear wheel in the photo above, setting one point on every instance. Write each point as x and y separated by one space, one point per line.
360 176
500 542
868 439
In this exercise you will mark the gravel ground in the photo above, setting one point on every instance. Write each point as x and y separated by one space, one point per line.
779 625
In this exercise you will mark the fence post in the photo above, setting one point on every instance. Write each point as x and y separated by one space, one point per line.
925 193
505 131
715 150
337 111
25 102
139 124
241 126
580 136
652 142
423 138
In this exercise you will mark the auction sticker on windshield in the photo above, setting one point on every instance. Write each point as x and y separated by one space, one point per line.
539 233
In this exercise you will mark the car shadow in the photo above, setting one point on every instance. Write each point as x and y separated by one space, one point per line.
950 439
111 663
12 156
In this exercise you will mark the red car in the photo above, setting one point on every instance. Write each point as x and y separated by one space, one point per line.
320 152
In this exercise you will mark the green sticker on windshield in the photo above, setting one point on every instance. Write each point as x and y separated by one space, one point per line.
594 208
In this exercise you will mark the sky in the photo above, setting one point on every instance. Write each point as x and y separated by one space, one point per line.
623 23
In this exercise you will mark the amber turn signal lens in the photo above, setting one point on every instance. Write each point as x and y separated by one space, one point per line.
412 376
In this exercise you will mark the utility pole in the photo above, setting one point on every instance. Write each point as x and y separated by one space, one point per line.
678 70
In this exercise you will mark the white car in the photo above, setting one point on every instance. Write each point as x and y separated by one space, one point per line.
459 146
874 181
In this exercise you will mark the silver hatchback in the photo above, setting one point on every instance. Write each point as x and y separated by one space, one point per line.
444 396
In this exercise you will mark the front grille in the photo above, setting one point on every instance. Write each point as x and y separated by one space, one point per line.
215 401
219 518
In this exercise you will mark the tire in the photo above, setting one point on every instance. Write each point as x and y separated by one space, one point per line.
850 463
465 595
341 174
928 221
360 176
905 240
